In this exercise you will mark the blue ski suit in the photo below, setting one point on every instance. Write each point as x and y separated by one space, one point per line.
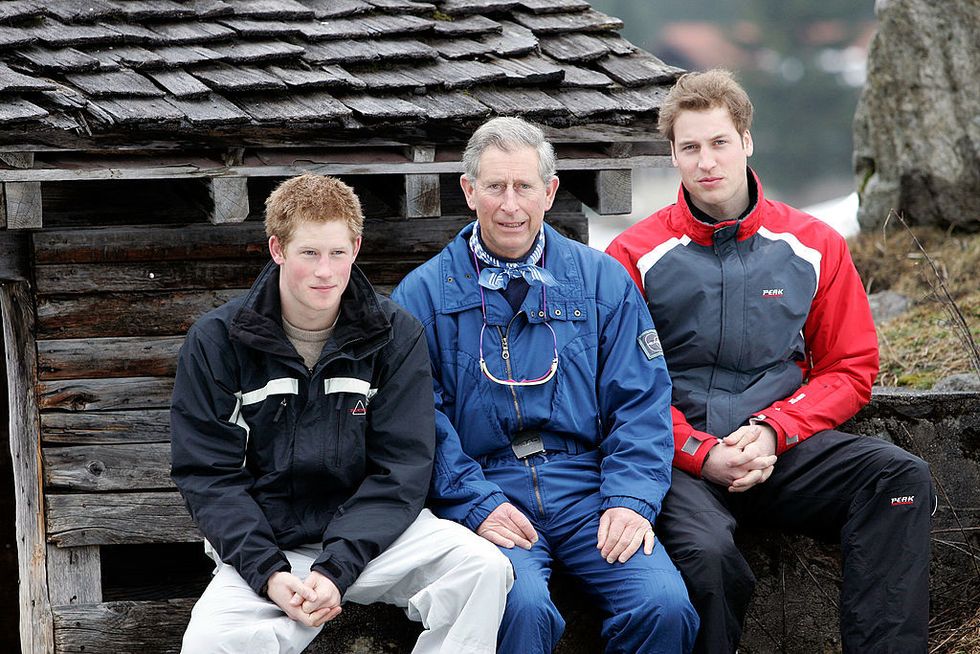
604 420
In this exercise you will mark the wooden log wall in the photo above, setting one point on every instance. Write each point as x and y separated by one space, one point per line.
121 270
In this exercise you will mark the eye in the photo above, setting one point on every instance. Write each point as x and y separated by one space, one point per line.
308 253
338 253
721 141
689 147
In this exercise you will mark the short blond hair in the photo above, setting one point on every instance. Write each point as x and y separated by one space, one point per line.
704 91
314 198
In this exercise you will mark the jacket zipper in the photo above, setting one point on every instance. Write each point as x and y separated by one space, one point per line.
505 355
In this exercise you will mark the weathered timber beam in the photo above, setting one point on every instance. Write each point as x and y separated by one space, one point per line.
200 242
36 633
118 519
108 357
14 254
422 192
74 575
105 427
290 170
105 394
229 196
126 314
183 275
122 627
17 159
101 468
22 205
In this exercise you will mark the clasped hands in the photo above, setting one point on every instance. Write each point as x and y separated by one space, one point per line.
743 459
312 602
621 531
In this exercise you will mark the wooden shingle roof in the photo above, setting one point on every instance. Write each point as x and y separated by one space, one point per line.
80 71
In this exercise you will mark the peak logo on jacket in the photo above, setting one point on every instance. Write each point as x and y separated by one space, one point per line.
772 292
359 409
903 501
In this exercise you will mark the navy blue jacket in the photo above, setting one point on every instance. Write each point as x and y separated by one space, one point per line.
269 454
610 392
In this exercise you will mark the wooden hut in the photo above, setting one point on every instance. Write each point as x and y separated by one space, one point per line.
138 141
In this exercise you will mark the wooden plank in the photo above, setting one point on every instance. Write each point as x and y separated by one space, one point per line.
22 202
74 575
422 192
17 159
36 633
101 468
105 394
230 198
126 314
108 357
122 627
175 275
336 169
638 69
78 519
105 427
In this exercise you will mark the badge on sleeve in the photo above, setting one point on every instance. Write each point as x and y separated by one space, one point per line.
650 344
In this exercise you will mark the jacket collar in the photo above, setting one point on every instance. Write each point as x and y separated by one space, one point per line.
704 233
460 291
361 329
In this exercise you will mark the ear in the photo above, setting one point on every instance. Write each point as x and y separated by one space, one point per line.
276 250
550 190
673 155
357 248
747 143
468 190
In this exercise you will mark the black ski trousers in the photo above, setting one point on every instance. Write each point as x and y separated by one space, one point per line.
873 496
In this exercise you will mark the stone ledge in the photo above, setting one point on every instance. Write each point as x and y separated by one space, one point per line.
795 604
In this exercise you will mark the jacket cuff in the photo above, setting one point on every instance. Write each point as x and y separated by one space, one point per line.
335 573
264 571
626 502
692 453
480 511
786 438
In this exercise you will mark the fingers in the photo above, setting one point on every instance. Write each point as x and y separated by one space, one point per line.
752 478
324 615
649 540
743 436
495 538
614 534
603 530
631 546
524 527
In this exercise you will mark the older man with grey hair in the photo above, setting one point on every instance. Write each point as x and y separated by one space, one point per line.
552 406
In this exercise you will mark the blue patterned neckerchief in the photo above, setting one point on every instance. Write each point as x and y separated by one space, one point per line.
496 274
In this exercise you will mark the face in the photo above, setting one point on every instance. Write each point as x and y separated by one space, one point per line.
711 156
314 269
510 199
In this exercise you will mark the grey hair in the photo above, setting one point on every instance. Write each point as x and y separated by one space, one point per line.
507 133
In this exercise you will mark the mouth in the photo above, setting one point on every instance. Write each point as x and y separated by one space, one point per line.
512 224
708 181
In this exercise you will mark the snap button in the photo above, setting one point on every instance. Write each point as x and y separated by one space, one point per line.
540 314
557 312
449 280
577 313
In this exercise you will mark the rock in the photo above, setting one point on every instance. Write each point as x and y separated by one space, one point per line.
917 128
966 381
886 305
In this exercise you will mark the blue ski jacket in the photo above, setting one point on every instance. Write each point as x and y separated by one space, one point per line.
611 391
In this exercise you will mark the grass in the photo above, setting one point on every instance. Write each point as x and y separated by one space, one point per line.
923 345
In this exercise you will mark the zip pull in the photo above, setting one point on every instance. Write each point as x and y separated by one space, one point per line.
504 352
282 405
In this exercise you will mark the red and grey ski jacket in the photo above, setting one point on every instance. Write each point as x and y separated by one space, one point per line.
762 319
270 455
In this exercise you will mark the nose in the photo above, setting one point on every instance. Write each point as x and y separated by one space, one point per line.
705 160
323 268
509 203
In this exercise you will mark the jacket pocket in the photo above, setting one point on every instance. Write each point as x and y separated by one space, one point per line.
345 447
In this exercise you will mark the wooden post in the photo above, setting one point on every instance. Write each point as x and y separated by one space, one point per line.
614 188
74 575
22 203
422 191
36 628
230 197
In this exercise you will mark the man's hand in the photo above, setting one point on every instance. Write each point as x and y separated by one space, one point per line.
326 605
621 532
288 592
506 526
742 459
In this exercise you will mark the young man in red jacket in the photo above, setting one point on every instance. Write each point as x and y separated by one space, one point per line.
770 345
